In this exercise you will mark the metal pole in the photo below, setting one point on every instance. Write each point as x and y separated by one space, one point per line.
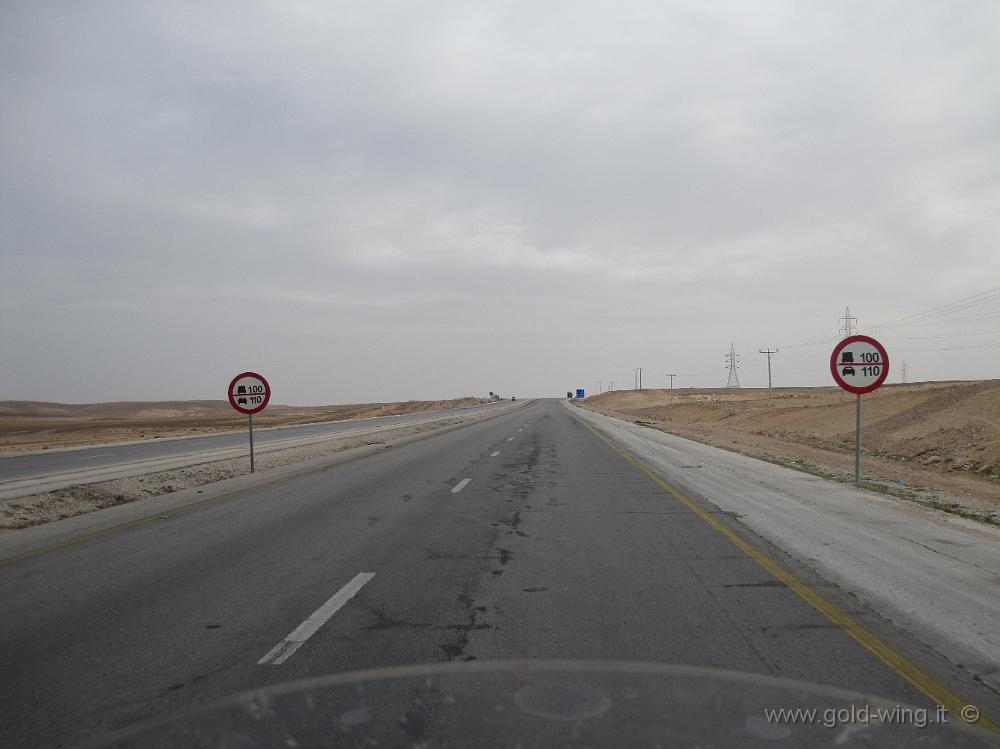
857 445
251 442
768 353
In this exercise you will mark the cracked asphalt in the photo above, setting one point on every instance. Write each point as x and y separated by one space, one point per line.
556 547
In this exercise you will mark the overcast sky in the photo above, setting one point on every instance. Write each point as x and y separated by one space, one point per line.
385 201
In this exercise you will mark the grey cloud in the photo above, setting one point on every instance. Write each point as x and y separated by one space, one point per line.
571 185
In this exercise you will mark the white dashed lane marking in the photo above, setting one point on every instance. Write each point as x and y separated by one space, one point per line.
287 647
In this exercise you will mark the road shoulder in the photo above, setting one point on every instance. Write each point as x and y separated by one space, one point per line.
931 573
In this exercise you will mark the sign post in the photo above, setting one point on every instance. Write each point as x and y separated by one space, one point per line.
249 394
859 365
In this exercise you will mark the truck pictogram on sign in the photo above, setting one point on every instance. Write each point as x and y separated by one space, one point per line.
859 364
249 393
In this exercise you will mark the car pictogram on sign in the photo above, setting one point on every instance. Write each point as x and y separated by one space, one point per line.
249 393
859 364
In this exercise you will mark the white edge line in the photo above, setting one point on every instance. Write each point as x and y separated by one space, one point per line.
287 647
494 454
510 439
460 485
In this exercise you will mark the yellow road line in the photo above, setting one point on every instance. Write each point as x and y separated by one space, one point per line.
923 681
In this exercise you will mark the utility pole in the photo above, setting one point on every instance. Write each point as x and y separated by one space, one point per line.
768 352
732 361
612 385
599 384
847 330
904 371
638 378
671 376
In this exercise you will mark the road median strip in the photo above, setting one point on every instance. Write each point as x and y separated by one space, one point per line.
16 545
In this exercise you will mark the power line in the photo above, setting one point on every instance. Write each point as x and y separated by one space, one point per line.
956 334
956 320
942 315
942 310
952 348
918 318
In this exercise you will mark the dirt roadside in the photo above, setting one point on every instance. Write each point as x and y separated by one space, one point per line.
30 425
36 509
937 442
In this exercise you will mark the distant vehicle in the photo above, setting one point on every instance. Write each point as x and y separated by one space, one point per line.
513 398
569 394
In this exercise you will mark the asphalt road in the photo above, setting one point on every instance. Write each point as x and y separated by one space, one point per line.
74 459
523 536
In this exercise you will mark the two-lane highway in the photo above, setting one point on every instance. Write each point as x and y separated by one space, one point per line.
523 536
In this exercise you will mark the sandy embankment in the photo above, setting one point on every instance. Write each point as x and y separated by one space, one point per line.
932 441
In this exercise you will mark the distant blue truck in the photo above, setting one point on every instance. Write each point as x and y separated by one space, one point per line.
579 393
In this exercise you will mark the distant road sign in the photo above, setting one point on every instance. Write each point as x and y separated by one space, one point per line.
579 392
859 364
249 392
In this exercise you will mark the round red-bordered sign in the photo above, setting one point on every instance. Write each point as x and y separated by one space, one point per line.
249 392
859 364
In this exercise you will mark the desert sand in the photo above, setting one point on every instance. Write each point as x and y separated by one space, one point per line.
937 440
30 425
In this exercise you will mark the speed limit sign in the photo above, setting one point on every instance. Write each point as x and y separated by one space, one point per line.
859 364
249 394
